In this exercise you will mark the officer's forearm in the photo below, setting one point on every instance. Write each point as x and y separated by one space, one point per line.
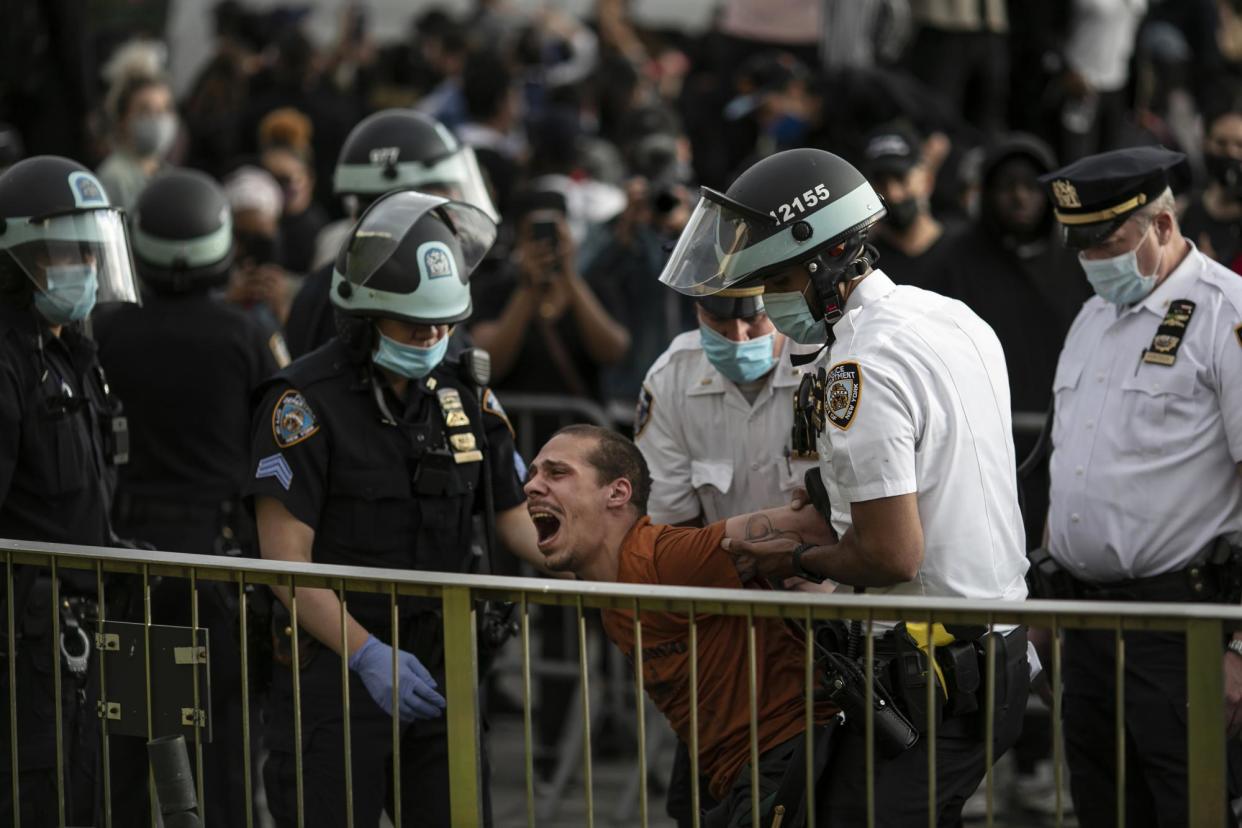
884 546
282 537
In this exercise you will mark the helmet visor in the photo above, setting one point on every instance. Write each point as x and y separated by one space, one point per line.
455 176
726 244
94 237
716 247
382 228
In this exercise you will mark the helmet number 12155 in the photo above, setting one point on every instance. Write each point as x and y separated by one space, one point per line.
800 203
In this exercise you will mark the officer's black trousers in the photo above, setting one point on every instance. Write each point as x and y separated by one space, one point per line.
901 783
1155 716
36 734
425 784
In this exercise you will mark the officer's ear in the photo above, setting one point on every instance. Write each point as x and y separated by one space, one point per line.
619 493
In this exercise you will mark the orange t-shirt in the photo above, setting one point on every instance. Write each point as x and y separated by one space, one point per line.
652 554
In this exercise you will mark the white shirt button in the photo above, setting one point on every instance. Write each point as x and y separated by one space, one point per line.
1090 424
1075 518
1078 471
754 466
1099 377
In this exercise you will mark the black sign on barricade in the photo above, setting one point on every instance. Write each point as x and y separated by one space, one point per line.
174 656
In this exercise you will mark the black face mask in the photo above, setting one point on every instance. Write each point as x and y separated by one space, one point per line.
257 247
901 214
1226 171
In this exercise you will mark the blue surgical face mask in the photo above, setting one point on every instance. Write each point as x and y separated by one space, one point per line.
409 361
792 317
739 361
70 293
1118 279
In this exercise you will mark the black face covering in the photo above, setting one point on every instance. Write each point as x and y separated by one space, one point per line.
257 247
1226 171
901 214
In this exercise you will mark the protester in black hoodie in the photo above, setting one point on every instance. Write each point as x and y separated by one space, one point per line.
1010 267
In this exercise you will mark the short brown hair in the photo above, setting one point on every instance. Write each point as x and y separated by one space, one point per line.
614 457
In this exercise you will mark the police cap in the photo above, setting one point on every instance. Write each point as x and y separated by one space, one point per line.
734 303
1094 196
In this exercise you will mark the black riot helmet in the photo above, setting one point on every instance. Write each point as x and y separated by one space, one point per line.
182 233
61 240
798 207
400 148
410 257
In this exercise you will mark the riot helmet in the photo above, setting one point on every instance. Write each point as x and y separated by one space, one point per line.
798 207
183 232
410 257
400 148
59 232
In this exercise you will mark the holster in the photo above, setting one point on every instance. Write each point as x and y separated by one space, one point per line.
847 687
1047 579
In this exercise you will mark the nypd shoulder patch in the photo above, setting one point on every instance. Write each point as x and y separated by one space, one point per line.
491 405
844 386
275 466
642 415
292 419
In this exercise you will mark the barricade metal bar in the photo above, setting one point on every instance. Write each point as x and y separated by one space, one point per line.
396 707
460 678
347 713
295 665
695 795
989 713
1058 731
152 798
198 704
243 624
11 653
809 654
105 747
1119 722
584 677
527 718
58 689
640 704
931 721
1205 690
869 717
753 699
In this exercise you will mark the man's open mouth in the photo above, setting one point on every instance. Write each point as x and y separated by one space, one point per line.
546 524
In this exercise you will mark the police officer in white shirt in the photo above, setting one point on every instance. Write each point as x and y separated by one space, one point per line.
915 447
1146 498
715 414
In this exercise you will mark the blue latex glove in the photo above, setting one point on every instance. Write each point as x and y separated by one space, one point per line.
417 694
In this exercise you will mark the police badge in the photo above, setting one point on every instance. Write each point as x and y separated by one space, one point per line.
1168 338
292 419
841 399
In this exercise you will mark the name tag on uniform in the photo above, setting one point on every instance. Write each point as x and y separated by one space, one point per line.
1169 336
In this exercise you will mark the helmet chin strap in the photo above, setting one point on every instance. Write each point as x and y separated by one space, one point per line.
826 301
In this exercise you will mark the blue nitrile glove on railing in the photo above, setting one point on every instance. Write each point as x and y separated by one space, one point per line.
417 689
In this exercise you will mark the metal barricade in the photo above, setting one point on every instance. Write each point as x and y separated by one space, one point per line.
1204 627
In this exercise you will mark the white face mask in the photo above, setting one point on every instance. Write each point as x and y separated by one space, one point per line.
153 135
1118 279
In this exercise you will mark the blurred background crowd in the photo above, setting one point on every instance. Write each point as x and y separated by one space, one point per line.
951 106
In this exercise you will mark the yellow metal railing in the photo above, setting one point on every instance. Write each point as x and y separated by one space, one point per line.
1204 627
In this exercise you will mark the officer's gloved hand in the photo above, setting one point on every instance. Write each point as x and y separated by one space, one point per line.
417 697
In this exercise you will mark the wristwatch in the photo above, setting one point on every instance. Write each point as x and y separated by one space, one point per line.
1234 646
803 572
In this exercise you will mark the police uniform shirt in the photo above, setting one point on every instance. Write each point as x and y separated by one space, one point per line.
711 452
917 401
1148 427
56 484
393 486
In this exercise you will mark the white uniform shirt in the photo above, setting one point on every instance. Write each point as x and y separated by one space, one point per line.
918 402
710 451
1144 468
